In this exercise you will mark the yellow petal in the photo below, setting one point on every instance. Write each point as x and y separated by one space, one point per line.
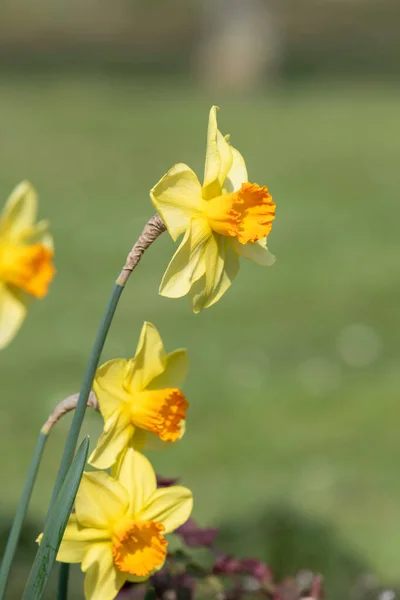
176 366
147 440
229 272
103 580
140 438
177 198
255 251
218 158
108 386
19 212
149 359
222 265
117 433
237 173
100 500
186 265
77 541
38 234
135 473
13 309
214 264
170 506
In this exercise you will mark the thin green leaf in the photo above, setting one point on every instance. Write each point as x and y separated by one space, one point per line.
55 527
15 532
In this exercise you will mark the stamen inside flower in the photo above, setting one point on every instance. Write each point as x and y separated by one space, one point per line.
28 268
138 547
160 411
246 214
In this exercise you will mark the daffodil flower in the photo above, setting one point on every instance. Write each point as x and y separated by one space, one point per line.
26 254
222 219
140 399
118 528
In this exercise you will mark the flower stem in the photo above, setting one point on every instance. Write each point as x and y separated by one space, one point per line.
62 591
13 537
79 413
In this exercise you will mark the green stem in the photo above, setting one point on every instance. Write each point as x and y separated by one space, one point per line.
79 413
15 532
62 592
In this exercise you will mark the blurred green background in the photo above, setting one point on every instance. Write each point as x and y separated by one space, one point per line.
293 431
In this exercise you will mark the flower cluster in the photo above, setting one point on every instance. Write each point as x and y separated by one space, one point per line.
121 517
118 529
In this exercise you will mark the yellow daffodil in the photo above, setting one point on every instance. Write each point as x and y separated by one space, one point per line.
26 254
140 399
222 219
118 528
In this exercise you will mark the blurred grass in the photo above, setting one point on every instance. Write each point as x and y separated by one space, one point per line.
276 413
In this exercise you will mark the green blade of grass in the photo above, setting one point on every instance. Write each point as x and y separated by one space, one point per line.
15 532
55 527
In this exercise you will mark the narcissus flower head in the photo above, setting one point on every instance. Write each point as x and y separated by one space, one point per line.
140 399
26 253
222 219
118 528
